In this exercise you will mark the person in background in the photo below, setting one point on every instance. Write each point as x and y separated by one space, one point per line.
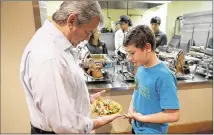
95 45
160 37
125 24
155 101
57 96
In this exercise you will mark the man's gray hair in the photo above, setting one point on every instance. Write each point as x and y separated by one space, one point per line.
85 10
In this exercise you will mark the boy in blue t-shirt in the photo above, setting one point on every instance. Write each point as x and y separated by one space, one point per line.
155 102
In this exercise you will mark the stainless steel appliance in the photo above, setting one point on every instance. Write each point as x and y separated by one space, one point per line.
96 67
174 58
127 69
205 60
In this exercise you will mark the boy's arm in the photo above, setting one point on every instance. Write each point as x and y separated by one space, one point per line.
167 90
161 117
169 102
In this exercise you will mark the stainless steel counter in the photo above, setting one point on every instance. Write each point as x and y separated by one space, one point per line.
119 85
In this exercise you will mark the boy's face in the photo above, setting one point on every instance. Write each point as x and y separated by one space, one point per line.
139 56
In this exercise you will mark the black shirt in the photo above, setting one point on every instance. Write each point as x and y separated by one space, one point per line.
97 49
161 38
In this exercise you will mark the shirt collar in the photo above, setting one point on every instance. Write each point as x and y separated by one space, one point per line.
58 37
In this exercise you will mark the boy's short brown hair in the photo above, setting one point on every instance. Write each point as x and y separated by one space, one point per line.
139 36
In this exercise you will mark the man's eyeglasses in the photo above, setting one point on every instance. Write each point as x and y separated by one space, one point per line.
88 33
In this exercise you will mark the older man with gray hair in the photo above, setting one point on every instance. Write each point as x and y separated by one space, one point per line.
56 93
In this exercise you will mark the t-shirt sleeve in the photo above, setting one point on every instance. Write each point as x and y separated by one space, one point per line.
167 90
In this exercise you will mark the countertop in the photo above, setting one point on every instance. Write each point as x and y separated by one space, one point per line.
119 84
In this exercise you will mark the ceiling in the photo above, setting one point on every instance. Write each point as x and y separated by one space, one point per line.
131 4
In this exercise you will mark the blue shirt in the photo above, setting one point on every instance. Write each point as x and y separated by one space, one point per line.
156 90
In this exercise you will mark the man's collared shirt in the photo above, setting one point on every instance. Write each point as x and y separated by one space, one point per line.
56 93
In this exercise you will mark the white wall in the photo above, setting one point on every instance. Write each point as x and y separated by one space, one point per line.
160 11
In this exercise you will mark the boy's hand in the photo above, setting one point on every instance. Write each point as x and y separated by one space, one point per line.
128 116
130 121
134 115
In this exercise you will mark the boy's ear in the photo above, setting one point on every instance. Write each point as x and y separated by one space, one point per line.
148 47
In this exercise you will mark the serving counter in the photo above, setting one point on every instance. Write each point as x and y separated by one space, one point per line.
195 96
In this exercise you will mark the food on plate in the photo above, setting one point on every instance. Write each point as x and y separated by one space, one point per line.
105 107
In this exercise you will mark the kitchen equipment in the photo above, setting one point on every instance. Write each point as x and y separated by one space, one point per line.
174 58
204 62
127 68
96 67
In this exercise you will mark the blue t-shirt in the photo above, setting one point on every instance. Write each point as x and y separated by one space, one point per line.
156 90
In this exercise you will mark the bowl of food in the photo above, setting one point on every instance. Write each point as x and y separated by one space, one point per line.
95 71
105 107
